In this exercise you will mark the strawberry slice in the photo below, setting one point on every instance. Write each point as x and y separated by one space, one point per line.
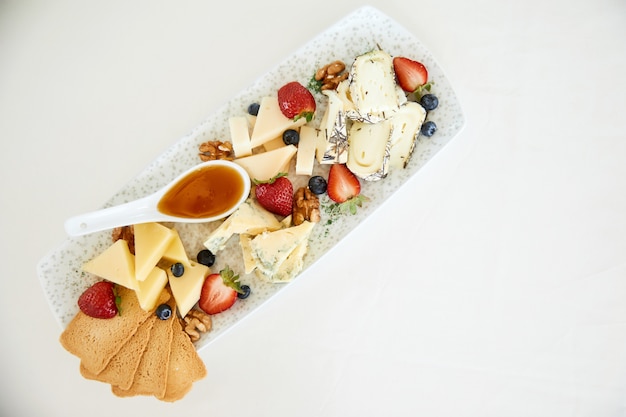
296 101
275 194
99 301
219 291
412 75
344 188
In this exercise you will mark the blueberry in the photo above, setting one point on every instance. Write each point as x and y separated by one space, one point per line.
429 102
246 292
429 128
205 257
253 109
317 184
178 269
163 312
291 137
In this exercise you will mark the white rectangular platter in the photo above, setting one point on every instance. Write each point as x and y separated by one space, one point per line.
365 29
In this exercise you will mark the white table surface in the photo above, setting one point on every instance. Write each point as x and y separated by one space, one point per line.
495 285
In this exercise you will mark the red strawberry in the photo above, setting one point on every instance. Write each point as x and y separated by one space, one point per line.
275 194
411 75
296 101
99 300
344 188
219 291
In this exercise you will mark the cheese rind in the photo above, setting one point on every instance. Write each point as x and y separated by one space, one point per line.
115 264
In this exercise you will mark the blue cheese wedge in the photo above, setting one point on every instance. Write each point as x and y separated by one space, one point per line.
406 127
369 148
271 249
373 88
289 269
250 218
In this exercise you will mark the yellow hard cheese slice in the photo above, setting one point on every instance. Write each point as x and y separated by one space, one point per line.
240 136
149 290
115 264
263 166
186 288
271 249
151 242
175 252
270 122
305 158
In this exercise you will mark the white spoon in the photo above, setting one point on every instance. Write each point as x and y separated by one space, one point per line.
209 191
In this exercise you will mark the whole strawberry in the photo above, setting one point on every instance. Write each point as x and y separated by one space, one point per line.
99 301
296 101
220 291
344 188
275 194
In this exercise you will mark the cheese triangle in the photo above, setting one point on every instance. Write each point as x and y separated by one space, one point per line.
186 289
115 264
263 166
151 242
271 122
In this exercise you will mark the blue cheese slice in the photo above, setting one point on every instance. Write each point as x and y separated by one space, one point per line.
373 88
270 249
250 218
368 151
406 127
289 269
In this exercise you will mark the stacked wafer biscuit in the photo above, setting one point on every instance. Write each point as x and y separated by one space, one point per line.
136 352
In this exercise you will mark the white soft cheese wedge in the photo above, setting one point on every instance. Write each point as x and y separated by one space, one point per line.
186 289
271 249
271 122
240 136
333 145
289 268
149 290
305 158
151 242
175 252
368 153
406 127
115 264
250 218
263 166
373 88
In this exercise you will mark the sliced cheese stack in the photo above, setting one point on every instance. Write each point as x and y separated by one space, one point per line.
147 272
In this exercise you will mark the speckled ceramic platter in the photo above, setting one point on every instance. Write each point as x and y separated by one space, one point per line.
363 30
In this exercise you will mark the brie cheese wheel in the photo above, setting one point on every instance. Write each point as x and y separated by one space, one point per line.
151 242
271 122
333 148
406 127
373 88
240 136
265 165
368 151
115 264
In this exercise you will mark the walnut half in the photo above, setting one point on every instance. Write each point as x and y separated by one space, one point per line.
306 206
195 323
